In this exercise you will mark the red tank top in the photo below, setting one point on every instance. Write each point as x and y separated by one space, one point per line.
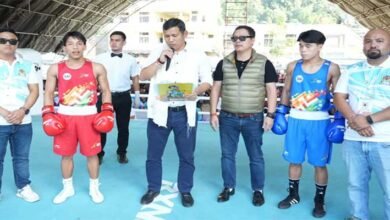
77 87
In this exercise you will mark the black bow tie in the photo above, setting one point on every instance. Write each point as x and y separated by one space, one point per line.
116 55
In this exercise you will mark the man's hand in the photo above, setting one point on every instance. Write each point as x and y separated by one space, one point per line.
15 117
366 132
137 99
165 54
4 113
191 97
268 123
214 121
358 122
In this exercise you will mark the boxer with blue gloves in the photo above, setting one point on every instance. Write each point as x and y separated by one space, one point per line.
307 91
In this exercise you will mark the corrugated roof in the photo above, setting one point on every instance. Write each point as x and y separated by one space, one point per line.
370 13
42 23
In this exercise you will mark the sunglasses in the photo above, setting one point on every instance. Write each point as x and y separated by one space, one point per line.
10 41
241 38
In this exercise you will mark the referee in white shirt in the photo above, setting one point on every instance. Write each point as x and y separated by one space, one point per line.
122 72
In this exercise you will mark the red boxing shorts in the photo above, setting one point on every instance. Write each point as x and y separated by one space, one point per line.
79 129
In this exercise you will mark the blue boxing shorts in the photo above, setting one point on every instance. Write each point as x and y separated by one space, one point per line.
307 136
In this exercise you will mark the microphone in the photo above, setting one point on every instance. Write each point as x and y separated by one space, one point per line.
168 60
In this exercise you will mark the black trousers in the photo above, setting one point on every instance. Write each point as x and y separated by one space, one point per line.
122 108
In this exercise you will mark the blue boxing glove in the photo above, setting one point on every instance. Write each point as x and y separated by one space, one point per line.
332 109
280 122
335 130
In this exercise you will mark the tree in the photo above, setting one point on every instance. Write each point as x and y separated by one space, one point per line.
289 11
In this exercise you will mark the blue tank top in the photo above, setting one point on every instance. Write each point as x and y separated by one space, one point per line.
309 91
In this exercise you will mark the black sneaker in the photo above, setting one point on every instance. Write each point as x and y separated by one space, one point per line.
288 201
319 208
258 198
122 158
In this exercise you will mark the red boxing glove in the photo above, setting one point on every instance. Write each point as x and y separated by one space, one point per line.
104 121
107 107
52 123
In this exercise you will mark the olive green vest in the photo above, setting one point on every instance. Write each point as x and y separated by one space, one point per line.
247 94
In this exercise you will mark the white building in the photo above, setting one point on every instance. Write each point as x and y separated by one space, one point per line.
144 27
142 24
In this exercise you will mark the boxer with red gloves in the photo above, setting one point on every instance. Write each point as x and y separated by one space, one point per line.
77 121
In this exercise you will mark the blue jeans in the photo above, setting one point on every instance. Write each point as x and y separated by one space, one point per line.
361 158
19 138
185 140
251 129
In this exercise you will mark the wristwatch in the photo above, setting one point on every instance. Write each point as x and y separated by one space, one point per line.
369 120
270 115
159 61
26 110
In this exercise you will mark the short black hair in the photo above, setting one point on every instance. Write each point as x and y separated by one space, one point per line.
174 22
74 34
250 30
312 36
123 35
10 30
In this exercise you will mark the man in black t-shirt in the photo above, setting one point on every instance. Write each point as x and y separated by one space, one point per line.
243 79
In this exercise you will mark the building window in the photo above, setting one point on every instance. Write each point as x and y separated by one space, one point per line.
291 36
268 40
144 17
143 37
194 16
290 39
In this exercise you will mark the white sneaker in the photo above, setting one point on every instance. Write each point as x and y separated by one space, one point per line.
65 193
27 194
94 192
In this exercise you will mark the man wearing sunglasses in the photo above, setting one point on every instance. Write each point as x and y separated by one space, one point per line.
18 93
243 79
